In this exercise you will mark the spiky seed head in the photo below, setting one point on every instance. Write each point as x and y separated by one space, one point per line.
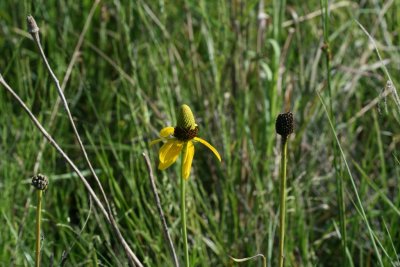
284 124
186 118
40 182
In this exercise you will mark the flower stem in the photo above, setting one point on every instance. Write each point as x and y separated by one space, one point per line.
183 210
282 210
38 219
183 217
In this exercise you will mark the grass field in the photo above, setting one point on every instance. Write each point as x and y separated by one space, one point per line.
237 64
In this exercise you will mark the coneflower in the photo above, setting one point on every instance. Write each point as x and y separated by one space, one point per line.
181 138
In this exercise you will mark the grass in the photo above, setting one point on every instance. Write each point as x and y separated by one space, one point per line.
138 62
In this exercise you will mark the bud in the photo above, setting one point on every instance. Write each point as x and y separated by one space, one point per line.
40 182
284 124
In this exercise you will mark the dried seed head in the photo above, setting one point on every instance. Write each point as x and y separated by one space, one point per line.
32 26
186 118
284 124
40 182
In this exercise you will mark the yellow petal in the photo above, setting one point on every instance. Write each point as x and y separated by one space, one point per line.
164 165
204 142
187 160
164 150
169 152
167 131
155 141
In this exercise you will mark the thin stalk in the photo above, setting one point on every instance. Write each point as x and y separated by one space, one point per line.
338 171
34 30
67 75
353 184
62 153
55 145
38 220
282 210
167 236
183 211
54 113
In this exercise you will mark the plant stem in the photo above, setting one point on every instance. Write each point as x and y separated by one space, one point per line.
160 212
282 210
38 219
338 170
358 198
183 211
67 159
35 35
55 145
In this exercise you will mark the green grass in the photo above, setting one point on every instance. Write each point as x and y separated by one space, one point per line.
139 61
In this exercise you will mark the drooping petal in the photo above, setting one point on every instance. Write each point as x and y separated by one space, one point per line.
165 165
187 160
164 150
155 141
204 142
170 149
167 131
169 152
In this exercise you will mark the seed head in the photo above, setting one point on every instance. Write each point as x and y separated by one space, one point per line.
284 124
40 182
32 26
186 118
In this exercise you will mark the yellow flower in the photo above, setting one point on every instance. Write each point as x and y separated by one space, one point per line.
182 137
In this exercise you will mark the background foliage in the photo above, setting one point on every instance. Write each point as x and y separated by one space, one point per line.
234 62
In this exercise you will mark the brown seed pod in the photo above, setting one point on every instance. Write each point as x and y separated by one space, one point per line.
284 124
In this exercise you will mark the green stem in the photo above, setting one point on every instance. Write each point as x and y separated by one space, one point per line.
183 211
282 210
38 219
336 157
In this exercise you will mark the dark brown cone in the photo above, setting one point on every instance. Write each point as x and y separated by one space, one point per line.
284 124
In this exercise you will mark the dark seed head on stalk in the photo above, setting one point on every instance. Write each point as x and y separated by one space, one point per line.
284 124
40 182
